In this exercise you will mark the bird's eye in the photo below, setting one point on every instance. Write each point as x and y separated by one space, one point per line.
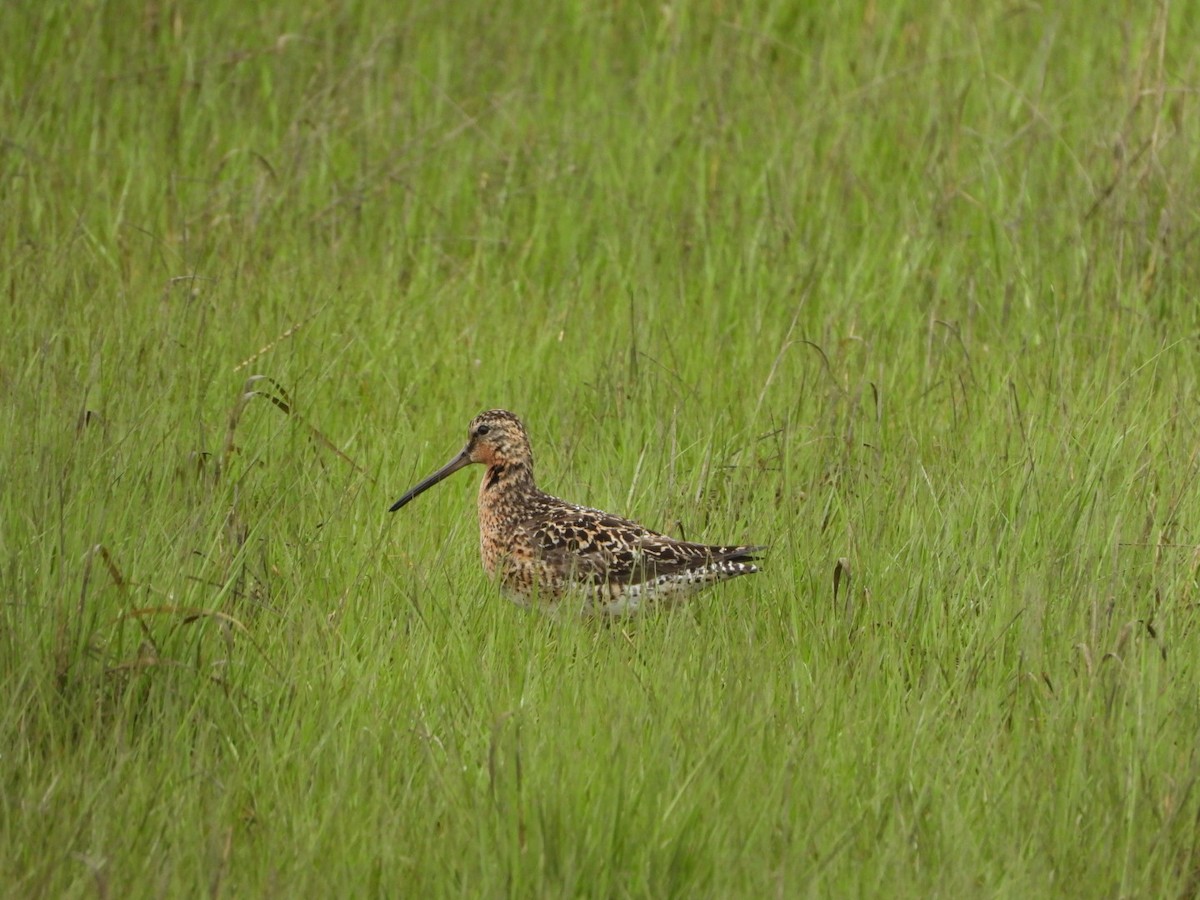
482 430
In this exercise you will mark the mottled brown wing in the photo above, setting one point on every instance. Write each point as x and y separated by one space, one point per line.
599 548
594 547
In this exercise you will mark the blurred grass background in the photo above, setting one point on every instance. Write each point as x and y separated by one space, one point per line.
905 291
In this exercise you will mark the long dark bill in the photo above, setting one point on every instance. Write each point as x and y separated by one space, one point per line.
448 469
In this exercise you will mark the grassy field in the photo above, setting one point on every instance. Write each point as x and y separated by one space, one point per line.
906 291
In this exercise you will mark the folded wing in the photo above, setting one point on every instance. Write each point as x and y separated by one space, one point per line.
599 548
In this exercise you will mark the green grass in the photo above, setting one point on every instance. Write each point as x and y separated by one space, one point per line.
908 292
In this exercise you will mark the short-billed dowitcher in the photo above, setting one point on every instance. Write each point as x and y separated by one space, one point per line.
545 549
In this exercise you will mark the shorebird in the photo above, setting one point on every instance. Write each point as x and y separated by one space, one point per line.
547 550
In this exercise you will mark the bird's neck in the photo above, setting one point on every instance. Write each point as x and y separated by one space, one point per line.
507 478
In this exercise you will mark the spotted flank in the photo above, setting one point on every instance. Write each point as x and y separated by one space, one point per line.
546 551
